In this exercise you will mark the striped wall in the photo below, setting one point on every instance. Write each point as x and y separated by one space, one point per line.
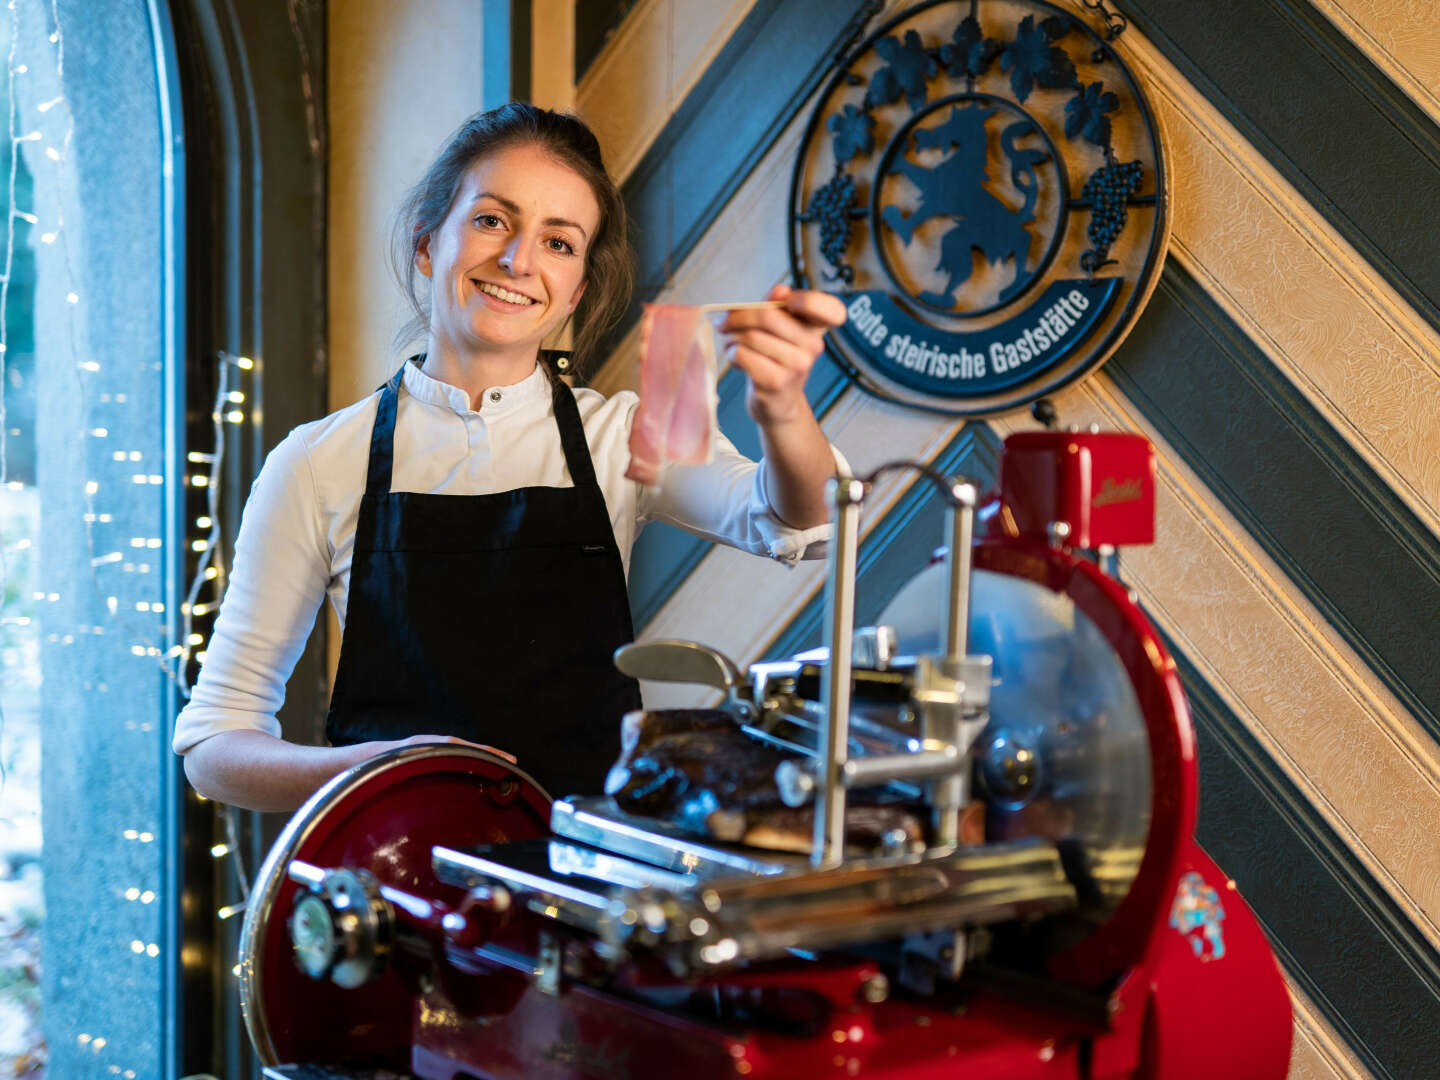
1287 370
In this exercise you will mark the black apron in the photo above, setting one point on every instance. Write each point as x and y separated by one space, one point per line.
489 617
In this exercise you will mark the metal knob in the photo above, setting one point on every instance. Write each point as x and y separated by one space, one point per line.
796 783
874 646
1011 768
340 928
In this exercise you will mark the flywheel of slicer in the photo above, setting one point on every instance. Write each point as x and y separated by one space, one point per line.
382 816
1088 745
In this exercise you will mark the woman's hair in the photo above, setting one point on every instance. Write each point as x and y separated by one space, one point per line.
609 263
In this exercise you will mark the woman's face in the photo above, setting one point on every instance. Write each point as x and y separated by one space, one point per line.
507 265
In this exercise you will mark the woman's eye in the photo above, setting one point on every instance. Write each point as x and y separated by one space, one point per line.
489 221
561 245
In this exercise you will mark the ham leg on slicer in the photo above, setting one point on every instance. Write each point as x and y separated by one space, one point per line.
675 422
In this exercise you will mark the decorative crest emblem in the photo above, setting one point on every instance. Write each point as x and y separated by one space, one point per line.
1197 914
982 183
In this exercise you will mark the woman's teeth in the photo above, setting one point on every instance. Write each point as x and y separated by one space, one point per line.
504 294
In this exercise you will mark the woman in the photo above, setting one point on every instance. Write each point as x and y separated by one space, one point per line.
471 521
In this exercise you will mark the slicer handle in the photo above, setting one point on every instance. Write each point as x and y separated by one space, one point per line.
678 661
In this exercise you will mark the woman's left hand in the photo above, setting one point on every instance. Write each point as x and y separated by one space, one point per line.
777 347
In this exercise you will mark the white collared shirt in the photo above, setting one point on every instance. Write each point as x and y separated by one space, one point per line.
298 531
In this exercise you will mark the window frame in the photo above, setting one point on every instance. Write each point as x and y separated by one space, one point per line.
248 187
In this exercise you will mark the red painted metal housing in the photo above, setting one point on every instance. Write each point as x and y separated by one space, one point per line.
1184 980
1101 485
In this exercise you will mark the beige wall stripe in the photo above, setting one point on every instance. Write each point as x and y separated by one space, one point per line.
1399 38
1301 692
1318 1053
552 54
644 72
1363 357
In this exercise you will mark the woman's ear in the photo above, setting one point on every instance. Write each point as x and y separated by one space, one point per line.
422 255
579 292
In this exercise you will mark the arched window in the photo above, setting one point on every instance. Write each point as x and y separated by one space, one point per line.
163 320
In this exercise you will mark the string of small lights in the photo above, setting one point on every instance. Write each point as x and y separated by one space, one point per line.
209 566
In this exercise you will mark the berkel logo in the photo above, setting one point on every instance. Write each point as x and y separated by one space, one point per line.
1118 491
936 192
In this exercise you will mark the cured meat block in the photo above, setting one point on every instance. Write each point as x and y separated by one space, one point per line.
675 422
695 769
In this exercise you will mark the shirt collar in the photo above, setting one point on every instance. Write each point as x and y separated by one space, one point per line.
432 391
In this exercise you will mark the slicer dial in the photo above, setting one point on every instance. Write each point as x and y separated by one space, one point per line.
312 932
340 928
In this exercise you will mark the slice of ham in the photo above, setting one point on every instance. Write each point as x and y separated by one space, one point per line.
675 423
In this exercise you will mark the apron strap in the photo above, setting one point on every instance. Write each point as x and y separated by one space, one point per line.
572 439
382 437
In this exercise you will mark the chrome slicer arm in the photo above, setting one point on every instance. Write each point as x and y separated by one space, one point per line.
828 847
951 691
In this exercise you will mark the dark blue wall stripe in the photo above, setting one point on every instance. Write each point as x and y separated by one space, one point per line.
1337 932
901 543
1336 529
1334 125
495 88
505 52
664 556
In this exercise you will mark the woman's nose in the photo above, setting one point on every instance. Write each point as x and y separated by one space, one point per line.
514 260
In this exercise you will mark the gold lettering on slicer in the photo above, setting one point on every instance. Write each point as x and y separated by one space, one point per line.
1112 491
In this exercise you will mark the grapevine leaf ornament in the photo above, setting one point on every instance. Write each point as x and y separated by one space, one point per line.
970 53
1033 61
908 66
1085 114
854 134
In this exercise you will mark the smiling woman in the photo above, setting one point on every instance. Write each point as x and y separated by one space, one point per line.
494 168
471 521
507 265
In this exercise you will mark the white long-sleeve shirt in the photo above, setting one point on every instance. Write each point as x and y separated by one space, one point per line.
298 531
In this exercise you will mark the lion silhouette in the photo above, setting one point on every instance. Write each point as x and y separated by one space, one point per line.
956 188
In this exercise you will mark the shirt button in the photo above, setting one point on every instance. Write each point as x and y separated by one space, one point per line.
494 395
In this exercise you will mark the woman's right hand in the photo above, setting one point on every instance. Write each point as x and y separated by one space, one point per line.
423 740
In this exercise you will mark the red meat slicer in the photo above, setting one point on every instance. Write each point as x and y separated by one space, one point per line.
431 913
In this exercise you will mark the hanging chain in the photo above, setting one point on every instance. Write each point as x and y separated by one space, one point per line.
1115 22
856 28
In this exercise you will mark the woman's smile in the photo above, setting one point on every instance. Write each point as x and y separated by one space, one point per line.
509 299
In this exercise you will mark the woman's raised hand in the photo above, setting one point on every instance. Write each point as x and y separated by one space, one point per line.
776 347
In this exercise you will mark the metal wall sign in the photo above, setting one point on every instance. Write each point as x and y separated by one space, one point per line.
982 182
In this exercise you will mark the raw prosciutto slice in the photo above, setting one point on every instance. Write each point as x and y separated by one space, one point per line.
675 423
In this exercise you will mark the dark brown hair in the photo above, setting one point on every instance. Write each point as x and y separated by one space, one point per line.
609 263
